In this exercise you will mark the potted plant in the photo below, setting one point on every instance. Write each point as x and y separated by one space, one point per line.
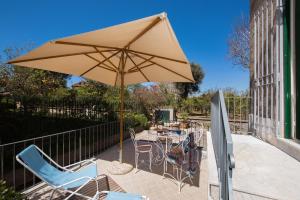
184 120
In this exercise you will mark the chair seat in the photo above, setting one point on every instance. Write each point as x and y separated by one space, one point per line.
122 196
88 171
144 148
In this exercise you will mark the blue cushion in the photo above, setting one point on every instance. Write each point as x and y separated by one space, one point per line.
122 196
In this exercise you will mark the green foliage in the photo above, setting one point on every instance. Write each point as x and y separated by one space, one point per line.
135 119
188 104
60 93
112 97
189 88
91 90
184 116
8 193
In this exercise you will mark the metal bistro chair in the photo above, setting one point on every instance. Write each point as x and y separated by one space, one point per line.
175 155
198 136
140 149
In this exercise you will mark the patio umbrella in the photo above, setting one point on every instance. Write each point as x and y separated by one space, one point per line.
144 50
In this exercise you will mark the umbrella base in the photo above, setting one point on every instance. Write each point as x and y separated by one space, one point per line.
118 168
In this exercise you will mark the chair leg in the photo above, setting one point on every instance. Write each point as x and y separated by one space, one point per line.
179 180
165 163
198 156
51 196
166 166
136 161
150 160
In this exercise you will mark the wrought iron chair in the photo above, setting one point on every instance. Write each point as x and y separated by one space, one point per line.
198 134
175 156
140 149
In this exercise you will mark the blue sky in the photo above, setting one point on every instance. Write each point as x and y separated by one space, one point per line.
202 27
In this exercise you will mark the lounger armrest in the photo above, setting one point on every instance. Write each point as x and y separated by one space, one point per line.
92 160
73 181
96 196
106 192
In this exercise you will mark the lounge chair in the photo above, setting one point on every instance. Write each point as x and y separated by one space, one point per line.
117 194
58 177
64 178
110 195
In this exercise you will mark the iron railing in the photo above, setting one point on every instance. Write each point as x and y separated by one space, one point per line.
65 148
237 106
222 144
238 109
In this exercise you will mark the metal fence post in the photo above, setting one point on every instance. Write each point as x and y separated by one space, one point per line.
80 145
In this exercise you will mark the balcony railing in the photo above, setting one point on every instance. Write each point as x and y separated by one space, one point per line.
65 148
222 144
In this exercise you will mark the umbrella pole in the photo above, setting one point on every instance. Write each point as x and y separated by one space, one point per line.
121 115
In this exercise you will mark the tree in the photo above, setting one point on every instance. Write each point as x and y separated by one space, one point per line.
91 90
150 98
189 88
239 43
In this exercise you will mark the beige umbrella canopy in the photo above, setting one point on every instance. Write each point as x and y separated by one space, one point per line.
144 50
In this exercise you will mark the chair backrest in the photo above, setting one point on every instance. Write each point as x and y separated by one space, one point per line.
198 136
31 158
132 136
187 142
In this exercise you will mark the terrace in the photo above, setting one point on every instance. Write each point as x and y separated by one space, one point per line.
261 171
141 181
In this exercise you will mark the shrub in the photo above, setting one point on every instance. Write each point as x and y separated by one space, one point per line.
8 193
184 116
135 120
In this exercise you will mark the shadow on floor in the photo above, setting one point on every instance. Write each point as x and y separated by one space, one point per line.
157 168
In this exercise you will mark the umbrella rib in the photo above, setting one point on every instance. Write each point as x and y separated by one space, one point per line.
99 62
135 70
87 45
109 69
145 30
162 57
117 48
105 58
97 65
89 69
49 57
137 67
174 72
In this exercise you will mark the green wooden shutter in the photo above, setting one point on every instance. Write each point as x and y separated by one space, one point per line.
297 38
287 70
